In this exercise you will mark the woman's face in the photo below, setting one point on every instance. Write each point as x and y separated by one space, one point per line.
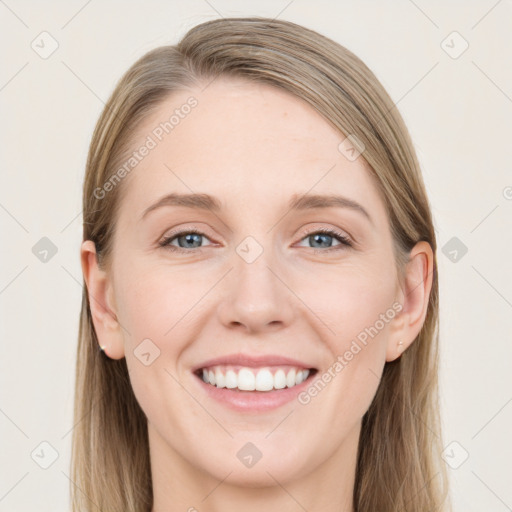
256 280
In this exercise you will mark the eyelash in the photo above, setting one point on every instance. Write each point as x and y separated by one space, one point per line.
344 241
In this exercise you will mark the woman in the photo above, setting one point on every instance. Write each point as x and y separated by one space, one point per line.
259 322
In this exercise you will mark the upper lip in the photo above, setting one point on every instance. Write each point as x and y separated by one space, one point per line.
252 361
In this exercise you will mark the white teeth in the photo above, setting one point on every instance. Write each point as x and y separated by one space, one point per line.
264 381
280 379
247 379
220 380
290 378
231 379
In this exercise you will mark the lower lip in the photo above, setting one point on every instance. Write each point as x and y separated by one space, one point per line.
254 401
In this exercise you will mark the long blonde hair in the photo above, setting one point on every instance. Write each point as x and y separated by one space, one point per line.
399 466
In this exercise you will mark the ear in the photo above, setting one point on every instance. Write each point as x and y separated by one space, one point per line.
414 298
101 300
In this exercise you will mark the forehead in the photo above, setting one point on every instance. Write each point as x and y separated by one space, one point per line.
248 141
236 118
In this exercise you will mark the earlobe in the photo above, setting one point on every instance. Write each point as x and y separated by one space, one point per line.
416 295
101 300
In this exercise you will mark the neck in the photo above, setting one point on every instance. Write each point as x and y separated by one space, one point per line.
179 486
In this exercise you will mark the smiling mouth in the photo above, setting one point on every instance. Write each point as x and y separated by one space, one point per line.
243 379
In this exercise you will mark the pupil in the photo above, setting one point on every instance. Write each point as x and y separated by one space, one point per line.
190 237
320 238
316 237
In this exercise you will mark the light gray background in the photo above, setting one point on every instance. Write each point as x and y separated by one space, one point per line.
458 111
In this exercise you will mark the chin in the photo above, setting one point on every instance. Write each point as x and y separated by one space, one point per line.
240 470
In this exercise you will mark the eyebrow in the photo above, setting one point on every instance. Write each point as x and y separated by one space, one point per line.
312 201
297 202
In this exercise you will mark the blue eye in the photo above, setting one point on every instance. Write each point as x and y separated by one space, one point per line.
191 236
191 239
321 235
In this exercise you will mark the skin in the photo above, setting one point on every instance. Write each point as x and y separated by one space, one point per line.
253 147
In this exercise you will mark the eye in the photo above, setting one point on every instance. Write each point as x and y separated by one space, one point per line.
322 237
188 239
191 239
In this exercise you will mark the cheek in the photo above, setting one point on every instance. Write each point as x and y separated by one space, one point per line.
153 302
356 309
156 306
350 301
345 302
174 307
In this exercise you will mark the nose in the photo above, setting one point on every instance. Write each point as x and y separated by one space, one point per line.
257 297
